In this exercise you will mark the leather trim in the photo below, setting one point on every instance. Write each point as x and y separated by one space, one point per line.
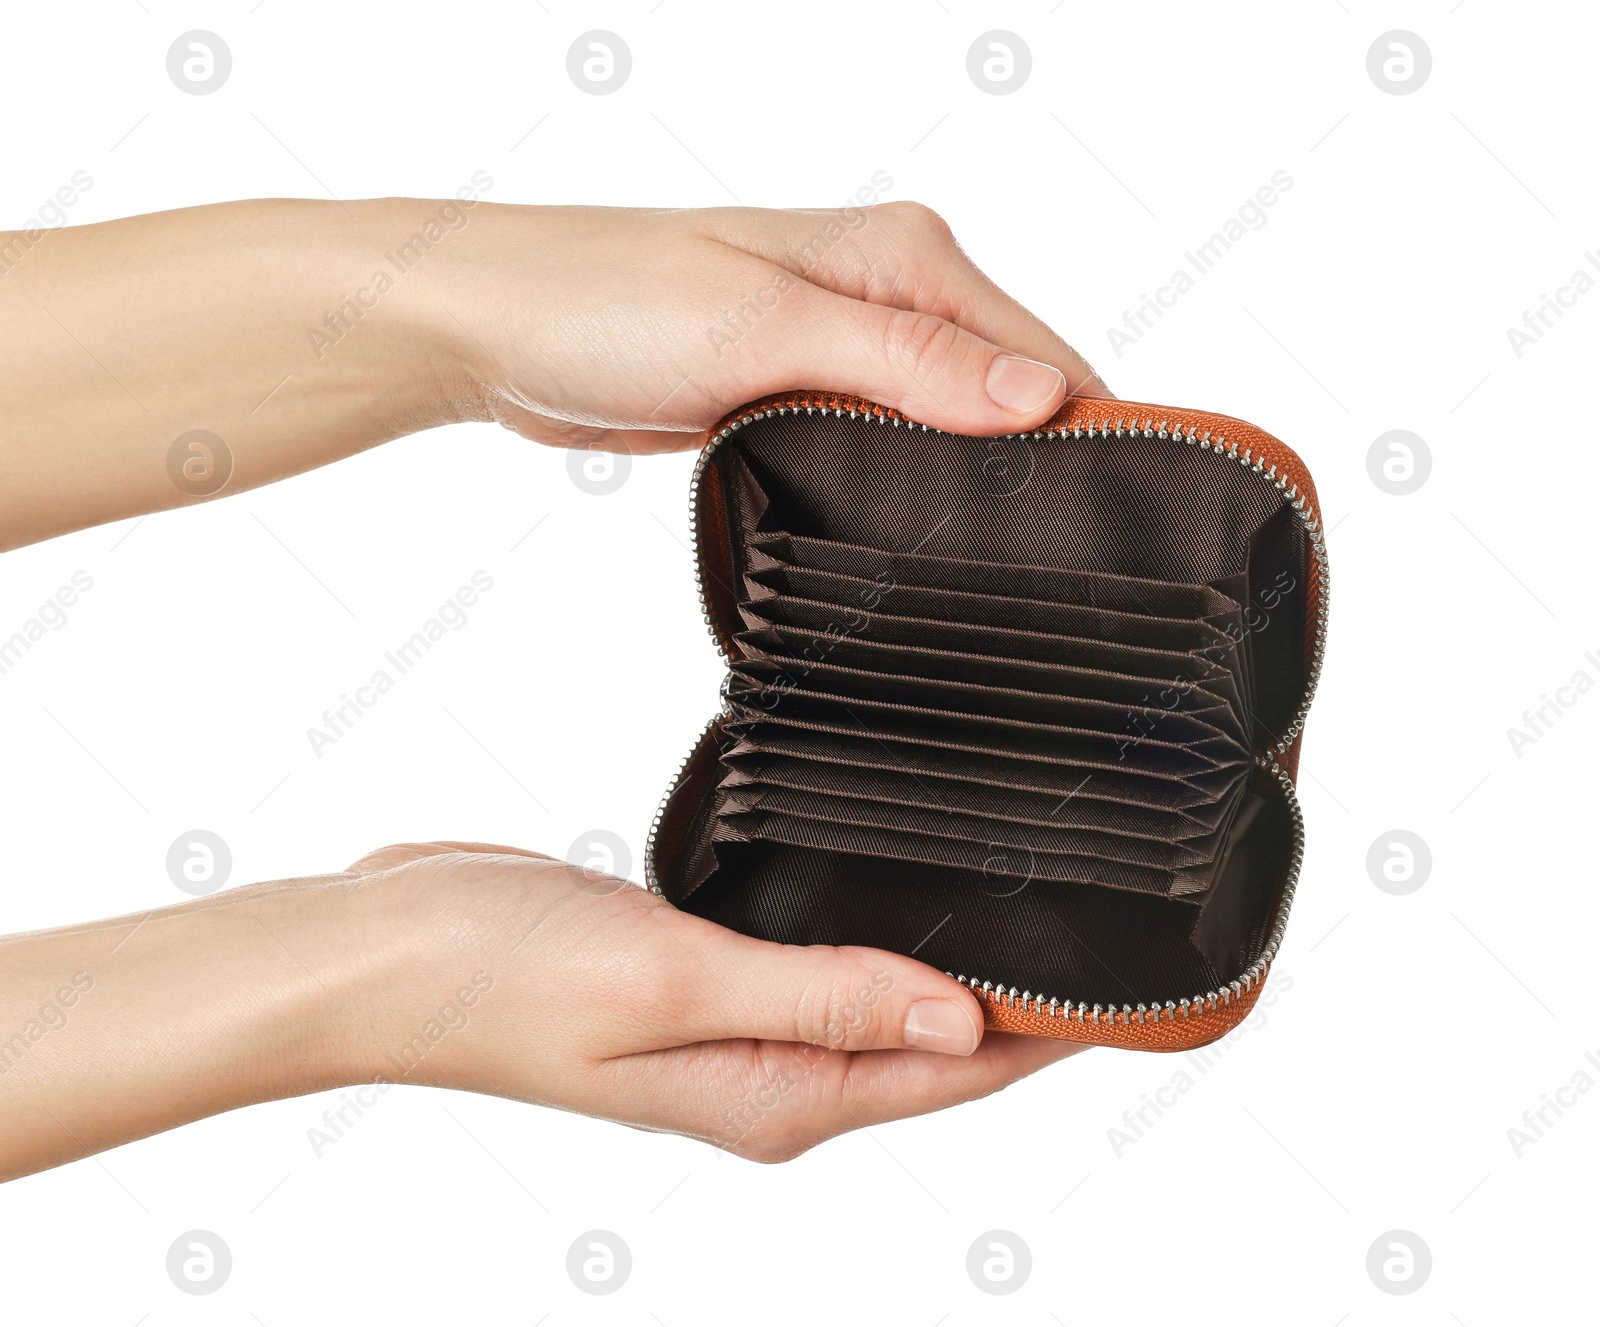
1168 1034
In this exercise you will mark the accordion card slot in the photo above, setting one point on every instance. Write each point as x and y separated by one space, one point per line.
1194 796
955 823
993 610
1005 870
1181 695
753 700
1159 667
1083 808
1060 585
1127 724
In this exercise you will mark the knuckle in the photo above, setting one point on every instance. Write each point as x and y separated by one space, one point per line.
390 855
654 1003
920 220
840 1011
771 1121
663 996
768 1149
815 1011
919 342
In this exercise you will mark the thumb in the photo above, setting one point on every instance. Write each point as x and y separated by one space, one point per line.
841 998
926 367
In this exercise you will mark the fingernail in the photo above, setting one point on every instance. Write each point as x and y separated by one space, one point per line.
940 1025
1023 386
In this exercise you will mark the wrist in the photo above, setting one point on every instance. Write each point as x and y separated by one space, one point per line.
450 938
350 952
408 270
276 990
182 1013
303 964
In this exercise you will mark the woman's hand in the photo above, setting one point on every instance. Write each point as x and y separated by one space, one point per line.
162 359
607 1000
632 330
487 969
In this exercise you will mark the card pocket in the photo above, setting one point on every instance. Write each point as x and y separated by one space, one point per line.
1121 728
957 823
1192 796
1164 669
941 793
1001 869
903 778
804 649
1184 635
1005 738
1088 589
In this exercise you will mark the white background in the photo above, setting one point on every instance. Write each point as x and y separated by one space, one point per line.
1409 1032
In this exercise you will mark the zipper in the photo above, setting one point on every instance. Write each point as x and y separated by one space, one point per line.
1266 457
1156 1011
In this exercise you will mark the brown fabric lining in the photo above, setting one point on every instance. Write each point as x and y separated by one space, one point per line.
927 657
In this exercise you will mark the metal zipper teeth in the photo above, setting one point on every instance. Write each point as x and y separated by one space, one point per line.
652 882
1205 440
1047 1006
1156 1011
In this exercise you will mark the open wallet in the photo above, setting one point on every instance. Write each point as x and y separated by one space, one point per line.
1025 708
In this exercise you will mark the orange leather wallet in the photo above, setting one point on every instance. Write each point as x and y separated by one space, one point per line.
1027 708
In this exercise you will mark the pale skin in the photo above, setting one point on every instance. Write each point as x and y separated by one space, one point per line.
524 977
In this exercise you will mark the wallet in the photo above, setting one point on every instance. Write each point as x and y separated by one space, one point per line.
1025 708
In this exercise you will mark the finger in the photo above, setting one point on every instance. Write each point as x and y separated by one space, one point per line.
492 849
672 436
398 854
839 998
875 1087
770 1102
879 1086
929 369
904 255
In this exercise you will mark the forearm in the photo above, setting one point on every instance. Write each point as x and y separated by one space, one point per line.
479 968
259 322
295 333
122 1028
